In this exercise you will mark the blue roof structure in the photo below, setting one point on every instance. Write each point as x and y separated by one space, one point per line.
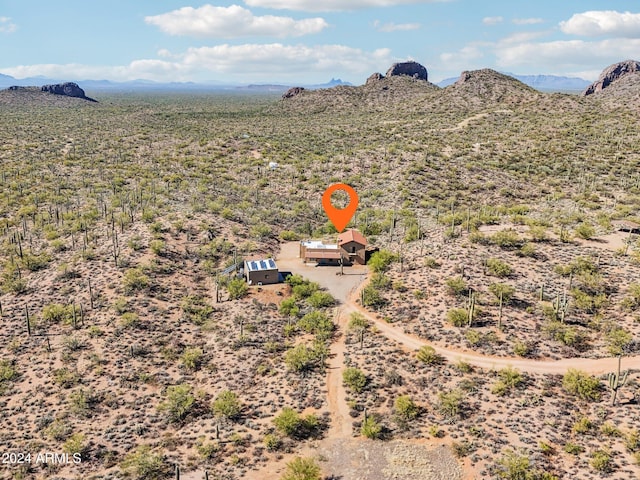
260 265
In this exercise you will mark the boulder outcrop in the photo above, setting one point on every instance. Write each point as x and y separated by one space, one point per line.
612 74
292 92
68 89
409 69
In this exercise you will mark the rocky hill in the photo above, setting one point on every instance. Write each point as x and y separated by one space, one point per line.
612 75
487 87
68 93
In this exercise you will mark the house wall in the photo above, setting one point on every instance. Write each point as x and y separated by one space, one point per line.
349 247
265 277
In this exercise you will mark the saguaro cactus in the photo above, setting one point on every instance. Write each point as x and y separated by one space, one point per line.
617 381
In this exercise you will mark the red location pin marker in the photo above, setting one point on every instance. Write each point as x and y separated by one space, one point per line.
340 217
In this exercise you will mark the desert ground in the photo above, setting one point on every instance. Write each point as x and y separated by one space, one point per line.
482 341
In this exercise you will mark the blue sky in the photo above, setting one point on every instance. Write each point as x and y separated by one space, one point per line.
311 41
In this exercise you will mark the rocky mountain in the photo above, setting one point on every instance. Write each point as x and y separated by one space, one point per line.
63 94
612 75
68 89
548 83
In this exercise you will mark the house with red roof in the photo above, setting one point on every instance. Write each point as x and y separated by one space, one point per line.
353 246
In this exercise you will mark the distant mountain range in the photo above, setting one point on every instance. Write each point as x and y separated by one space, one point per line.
539 82
149 85
551 83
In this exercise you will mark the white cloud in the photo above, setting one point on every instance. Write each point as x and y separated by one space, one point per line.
247 63
576 54
464 58
7 26
492 20
527 21
332 5
395 27
604 22
230 22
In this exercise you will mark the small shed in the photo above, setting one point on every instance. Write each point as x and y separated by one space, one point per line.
261 272
626 226
353 246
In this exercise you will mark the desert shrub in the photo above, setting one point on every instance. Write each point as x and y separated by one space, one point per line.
227 405
305 289
34 262
510 379
288 236
58 430
316 322
272 442
632 301
498 268
289 308
428 355
8 371
302 469
144 464
11 280
521 349
632 441
290 423
576 266
431 262
602 461
357 321
538 233
57 313
135 280
479 237
372 298
207 450
563 333
237 288
320 300
158 247
585 231
573 448
381 260
65 378
582 425
371 428
178 403
75 444
302 358
196 309
192 358
451 403
458 317
582 385
608 429
405 408
507 239
129 319
354 378
380 281
618 339
514 466
527 250
456 286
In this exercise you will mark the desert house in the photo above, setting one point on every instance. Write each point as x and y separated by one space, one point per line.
261 272
320 253
353 246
